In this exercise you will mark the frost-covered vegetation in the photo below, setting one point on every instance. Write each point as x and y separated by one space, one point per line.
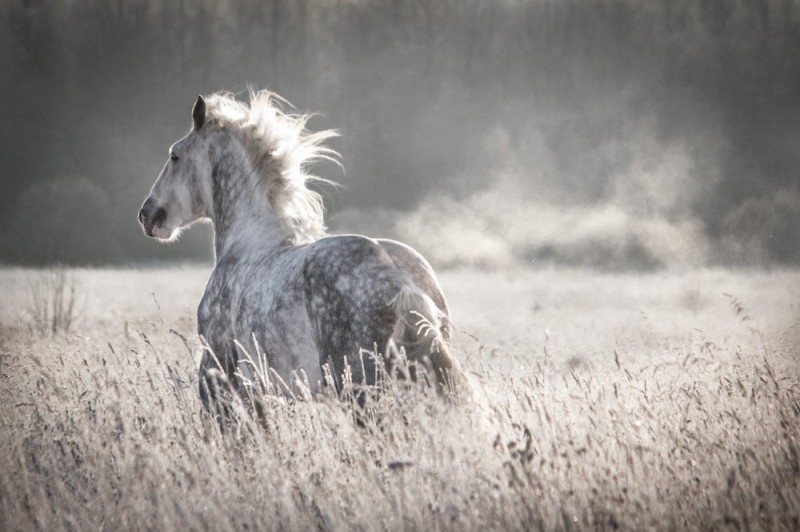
599 401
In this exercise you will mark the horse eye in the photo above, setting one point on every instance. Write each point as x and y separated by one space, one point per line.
172 156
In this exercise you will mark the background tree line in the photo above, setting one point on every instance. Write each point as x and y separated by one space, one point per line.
576 102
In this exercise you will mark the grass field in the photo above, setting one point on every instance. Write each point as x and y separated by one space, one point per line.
599 401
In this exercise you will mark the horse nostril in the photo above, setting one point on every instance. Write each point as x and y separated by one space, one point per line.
146 210
160 217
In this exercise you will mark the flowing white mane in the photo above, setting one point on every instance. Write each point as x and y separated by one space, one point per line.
252 160
281 150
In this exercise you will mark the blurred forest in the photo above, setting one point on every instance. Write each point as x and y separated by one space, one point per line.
604 133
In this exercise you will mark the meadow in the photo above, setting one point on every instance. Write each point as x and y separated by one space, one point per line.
665 400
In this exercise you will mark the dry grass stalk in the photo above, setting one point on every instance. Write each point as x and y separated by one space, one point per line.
659 429
53 296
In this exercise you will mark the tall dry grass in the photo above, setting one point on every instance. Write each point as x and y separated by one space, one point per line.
639 425
53 300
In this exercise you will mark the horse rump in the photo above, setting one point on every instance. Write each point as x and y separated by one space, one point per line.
418 331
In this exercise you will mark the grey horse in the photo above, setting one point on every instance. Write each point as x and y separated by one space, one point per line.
285 299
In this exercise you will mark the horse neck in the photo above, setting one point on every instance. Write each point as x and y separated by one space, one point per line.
244 224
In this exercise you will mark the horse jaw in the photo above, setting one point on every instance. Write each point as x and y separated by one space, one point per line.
165 235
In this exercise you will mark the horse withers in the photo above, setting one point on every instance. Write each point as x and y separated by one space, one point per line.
285 299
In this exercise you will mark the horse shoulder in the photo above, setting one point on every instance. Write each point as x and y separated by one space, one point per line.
204 312
216 303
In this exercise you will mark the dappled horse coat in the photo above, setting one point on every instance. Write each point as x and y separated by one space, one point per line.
284 300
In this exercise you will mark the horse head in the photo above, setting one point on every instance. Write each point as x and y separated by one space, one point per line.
243 166
182 194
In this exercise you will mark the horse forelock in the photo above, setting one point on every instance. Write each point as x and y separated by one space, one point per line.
281 150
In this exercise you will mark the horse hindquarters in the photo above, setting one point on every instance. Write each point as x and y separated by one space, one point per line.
418 330
362 295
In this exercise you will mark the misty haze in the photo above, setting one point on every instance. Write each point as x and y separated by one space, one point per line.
607 190
610 134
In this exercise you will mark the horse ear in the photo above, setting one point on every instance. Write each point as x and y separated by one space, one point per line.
199 112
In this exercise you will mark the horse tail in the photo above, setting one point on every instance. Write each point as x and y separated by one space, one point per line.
418 330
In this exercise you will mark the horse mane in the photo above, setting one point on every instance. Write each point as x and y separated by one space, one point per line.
281 150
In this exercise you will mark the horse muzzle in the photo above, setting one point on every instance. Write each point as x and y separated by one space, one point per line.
152 218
